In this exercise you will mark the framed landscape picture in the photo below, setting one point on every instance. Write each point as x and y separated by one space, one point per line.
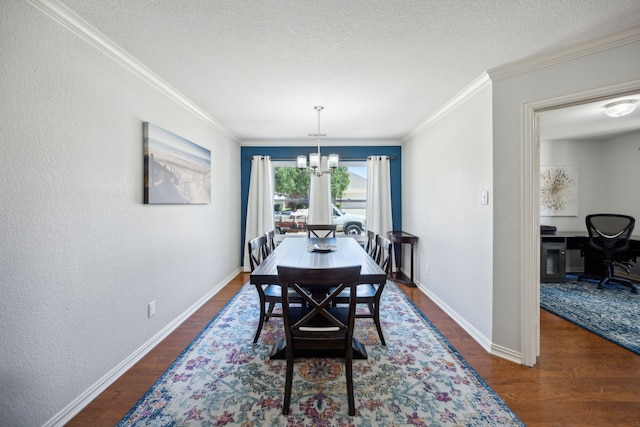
176 171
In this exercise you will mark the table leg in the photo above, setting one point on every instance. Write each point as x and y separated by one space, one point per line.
399 275
399 264
411 278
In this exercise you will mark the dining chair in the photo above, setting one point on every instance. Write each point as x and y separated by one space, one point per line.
370 294
371 246
321 231
269 295
271 244
318 325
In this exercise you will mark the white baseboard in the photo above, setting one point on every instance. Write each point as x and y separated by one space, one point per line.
73 408
506 353
496 350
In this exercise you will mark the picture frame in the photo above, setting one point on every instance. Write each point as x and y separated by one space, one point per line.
176 171
558 191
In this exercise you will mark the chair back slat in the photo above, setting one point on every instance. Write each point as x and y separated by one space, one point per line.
318 320
371 244
257 251
270 246
384 254
321 231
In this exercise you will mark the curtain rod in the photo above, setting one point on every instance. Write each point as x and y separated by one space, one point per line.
355 159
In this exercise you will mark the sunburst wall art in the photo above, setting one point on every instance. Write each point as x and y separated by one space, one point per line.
558 191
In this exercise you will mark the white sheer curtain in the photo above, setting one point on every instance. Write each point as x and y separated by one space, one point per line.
320 197
260 203
379 217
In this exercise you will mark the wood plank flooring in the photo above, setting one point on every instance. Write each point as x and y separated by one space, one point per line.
580 379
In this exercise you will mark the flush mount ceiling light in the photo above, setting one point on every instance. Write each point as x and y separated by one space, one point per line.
315 160
620 108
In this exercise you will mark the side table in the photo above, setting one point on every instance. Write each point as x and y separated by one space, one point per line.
398 238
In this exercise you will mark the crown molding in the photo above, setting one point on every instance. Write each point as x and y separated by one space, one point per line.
74 23
474 87
323 143
619 38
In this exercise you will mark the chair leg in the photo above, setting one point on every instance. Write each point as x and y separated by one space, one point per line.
288 384
261 321
376 320
619 280
270 310
602 282
605 279
625 282
349 374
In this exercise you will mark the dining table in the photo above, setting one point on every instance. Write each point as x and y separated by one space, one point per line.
318 253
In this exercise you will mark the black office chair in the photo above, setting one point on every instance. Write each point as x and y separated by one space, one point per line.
609 236
321 231
268 294
319 326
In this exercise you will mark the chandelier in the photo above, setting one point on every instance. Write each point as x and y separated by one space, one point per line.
315 160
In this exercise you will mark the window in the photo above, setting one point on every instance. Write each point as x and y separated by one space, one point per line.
348 193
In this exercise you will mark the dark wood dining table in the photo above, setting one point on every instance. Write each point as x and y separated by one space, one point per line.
298 252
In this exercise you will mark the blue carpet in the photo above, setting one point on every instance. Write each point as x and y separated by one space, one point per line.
417 379
612 312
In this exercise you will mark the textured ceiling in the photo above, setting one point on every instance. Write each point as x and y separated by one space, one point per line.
379 67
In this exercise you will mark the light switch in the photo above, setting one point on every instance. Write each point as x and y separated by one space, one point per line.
485 197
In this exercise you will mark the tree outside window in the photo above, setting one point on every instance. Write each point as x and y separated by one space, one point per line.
291 198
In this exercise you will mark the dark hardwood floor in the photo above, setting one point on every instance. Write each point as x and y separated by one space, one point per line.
580 379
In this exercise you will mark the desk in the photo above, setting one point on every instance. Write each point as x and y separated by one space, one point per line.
293 252
553 249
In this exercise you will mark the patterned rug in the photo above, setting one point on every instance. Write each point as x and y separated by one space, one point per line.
223 379
612 312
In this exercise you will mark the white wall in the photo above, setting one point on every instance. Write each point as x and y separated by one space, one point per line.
608 174
80 254
599 69
621 167
445 168
586 156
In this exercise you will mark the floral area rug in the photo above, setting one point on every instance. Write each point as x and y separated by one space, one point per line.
612 312
417 379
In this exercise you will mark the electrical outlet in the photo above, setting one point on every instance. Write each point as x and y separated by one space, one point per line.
426 269
151 309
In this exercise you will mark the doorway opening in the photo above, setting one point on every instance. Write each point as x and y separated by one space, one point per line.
531 203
